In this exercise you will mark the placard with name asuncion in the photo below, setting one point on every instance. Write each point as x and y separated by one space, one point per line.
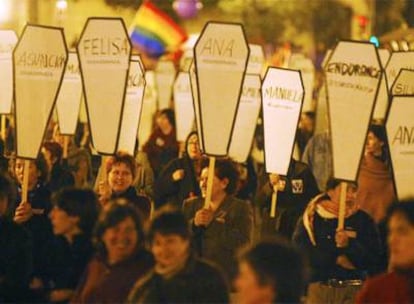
104 53
39 60
353 75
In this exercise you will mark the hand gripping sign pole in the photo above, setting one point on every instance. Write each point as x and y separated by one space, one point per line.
104 52
400 126
283 96
220 56
69 99
353 76
39 61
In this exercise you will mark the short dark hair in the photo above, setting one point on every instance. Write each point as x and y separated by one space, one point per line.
278 263
169 220
225 168
169 113
404 207
111 216
55 149
78 202
124 158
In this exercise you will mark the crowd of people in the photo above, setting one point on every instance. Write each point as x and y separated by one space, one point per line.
138 228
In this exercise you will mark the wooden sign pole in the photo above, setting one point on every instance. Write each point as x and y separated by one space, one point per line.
211 168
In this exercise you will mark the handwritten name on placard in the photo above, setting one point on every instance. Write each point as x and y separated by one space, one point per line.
136 80
249 94
218 47
403 89
105 46
353 69
40 60
280 93
404 136
6 48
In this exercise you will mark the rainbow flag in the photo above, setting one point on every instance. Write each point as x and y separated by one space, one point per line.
154 32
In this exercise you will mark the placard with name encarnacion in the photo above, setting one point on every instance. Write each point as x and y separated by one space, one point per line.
165 74
221 55
8 40
403 84
183 104
133 106
70 96
353 75
400 132
39 61
104 53
282 95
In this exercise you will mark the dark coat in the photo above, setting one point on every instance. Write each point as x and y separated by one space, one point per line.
230 230
198 282
141 202
60 177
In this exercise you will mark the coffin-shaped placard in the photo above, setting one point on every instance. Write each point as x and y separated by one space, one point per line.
149 108
282 94
246 119
8 40
70 96
256 59
164 79
221 55
183 104
353 75
322 121
400 132
404 83
196 104
186 60
305 66
133 106
104 52
39 61
398 61
381 105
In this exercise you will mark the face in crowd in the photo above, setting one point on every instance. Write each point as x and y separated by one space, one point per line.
120 177
193 147
401 241
34 173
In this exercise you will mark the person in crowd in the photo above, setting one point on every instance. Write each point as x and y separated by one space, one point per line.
33 215
73 217
340 258
80 166
294 191
144 183
376 188
4 162
178 276
395 286
59 175
318 156
305 130
121 256
121 172
225 224
179 179
162 145
246 189
15 252
271 271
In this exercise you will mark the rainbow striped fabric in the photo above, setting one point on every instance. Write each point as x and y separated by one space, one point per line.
154 32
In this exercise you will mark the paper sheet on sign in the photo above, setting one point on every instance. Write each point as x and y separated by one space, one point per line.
400 130
221 55
353 75
69 98
8 40
39 61
183 104
283 94
133 106
104 52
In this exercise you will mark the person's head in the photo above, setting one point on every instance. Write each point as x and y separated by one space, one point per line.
119 232
121 170
7 194
193 146
376 140
166 120
37 171
169 236
81 167
272 271
74 211
226 178
333 188
52 152
307 121
401 234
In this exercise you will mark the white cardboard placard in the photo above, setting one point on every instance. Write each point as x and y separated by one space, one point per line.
403 84
353 75
400 131
104 52
256 60
283 95
8 40
398 61
164 79
221 55
183 104
70 96
196 103
381 105
149 108
39 60
246 119
186 60
133 106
